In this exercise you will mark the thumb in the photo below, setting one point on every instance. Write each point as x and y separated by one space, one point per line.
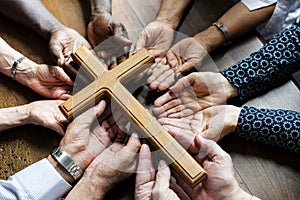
57 51
207 148
91 114
122 41
180 85
141 42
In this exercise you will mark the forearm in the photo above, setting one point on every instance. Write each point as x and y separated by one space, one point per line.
93 191
13 116
98 6
171 11
267 68
32 14
276 127
237 20
8 56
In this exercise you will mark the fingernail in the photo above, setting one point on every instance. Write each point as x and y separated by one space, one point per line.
162 164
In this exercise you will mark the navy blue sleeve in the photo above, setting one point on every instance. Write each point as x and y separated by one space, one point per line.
269 67
276 127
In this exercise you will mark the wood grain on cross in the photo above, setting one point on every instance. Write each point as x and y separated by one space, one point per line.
109 83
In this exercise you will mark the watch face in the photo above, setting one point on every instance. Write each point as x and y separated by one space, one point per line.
67 163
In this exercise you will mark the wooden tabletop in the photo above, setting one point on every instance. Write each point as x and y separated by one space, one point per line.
264 171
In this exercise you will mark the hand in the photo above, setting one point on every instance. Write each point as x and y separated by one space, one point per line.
65 41
85 138
181 58
194 92
212 123
48 81
111 37
160 75
112 166
157 37
186 54
220 183
46 113
151 186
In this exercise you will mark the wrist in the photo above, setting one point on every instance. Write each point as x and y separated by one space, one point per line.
94 191
230 90
25 71
61 170
233 114
167 22
101 11
81 159
211 38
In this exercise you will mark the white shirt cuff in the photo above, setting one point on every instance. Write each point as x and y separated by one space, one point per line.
41 181
256 4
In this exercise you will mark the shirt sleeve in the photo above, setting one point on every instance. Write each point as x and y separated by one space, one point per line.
279 128
267 68
257 4
38 181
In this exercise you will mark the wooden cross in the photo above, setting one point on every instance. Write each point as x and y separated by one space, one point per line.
108 83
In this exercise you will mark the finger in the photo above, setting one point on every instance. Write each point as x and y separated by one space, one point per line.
164 99
60 129
91 114
141 42
113 62
185 67
168 81
57 51
184 136
128 153
182 183
163 110
182 83
178 190
172 59
158 71
207 148
162 182
144 169
61 75
64 96
121 40
164 76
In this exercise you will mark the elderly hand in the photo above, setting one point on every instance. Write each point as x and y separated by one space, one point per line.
48 81
194 92
46 113
220 183
212 123
65 41
85 139
157 37
109 38
112 166
150 185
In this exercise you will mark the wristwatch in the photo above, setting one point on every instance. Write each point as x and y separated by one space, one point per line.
67 163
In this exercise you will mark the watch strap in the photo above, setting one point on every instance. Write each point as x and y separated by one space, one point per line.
67 162
224 30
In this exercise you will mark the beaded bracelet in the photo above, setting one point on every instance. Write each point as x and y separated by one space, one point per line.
13 69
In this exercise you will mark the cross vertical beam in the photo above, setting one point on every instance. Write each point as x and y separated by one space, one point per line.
108 82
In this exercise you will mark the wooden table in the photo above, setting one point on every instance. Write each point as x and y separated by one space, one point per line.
267 172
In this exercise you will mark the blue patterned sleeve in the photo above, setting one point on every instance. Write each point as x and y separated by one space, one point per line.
276 127
269 67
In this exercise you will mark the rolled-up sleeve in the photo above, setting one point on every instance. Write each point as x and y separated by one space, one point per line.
257 4
38 181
